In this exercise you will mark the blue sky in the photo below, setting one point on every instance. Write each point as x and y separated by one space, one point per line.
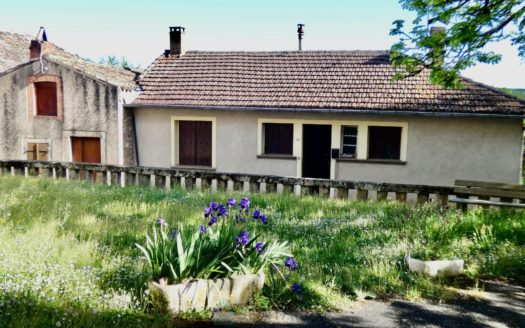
138 30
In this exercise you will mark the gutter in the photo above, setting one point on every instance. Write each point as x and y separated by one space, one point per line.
331 110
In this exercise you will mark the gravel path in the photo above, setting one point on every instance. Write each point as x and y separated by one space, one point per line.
500 305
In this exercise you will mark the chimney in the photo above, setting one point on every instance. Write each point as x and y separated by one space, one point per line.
176 33
39 45
300 33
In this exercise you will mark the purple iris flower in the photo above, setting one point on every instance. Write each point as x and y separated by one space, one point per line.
221 210
231 202
213 220
296 288
259 247
290 264
256 214
161 222
173 234
207 212
263 219
214 206
244 203
203 229
243 238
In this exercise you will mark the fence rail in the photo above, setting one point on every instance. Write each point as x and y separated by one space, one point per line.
214 181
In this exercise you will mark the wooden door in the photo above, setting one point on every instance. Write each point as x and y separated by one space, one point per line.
86 149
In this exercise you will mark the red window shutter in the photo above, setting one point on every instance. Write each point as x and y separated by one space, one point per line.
187 142
46 98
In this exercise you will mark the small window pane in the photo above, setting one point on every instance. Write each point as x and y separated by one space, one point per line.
37 151
278 138
384 142
348 141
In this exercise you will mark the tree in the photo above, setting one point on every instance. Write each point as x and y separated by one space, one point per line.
470 25
112 60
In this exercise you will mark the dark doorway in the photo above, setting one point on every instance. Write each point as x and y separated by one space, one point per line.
317 140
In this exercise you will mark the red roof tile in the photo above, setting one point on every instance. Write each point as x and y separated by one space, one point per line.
345 80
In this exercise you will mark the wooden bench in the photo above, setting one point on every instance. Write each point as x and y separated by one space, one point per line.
506 193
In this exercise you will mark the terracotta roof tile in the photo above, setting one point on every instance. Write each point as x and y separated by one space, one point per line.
347 80
14 51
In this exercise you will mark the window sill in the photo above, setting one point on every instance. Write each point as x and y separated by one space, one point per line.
47 117
194 167
276 156
372 161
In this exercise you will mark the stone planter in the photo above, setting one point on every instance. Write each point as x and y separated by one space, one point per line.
202 294
434 268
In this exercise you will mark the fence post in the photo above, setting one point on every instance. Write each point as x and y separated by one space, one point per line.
152 180
280 188
26 171
297 190
67 173
246 186
331 194
262 187
198 184
167 182
122 179
183 183
54 173
108 177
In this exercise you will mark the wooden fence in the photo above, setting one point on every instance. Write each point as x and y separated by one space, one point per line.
214 181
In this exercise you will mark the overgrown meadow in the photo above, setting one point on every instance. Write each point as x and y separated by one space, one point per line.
68 254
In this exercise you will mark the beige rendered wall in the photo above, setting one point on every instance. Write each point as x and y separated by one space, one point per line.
90 110
438 150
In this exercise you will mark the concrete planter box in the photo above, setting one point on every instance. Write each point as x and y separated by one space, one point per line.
434 268
202 294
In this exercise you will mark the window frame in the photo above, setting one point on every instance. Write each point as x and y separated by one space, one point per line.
175 137
342 144
369 143
32 96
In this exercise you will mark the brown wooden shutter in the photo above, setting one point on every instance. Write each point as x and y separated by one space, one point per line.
46 98
31 152
86 150
195 143
187 142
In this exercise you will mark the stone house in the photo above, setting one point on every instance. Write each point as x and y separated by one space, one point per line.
321 114
57 106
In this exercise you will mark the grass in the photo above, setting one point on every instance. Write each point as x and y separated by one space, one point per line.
67 255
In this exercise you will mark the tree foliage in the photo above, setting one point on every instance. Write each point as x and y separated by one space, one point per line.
470 25
112 60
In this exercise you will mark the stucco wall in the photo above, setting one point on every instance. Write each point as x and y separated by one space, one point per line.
438 150
90 110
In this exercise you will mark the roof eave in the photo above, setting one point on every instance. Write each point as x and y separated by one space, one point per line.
335 110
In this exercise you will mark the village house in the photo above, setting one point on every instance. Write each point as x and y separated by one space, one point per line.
56 106
321 114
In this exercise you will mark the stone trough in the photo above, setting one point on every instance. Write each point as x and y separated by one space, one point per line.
435 268
202 294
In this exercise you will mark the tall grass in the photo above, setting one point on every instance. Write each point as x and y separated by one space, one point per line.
67 255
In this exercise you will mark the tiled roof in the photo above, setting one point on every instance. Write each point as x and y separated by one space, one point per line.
14 51
345 80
